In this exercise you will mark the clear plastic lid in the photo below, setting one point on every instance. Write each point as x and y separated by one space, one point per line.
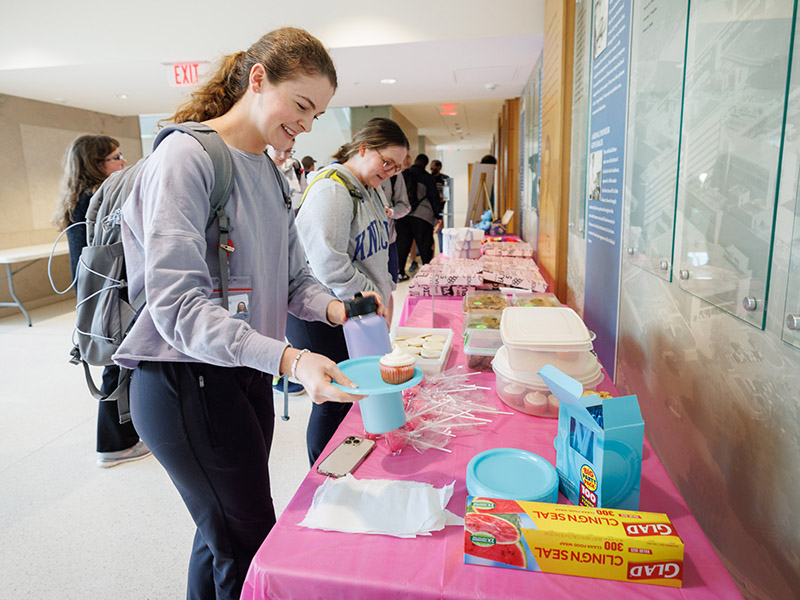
547 328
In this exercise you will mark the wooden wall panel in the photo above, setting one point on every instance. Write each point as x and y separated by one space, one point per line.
556 117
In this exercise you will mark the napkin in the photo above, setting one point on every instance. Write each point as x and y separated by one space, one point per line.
380 506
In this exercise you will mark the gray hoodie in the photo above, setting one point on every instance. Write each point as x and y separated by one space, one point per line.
347 254
169 252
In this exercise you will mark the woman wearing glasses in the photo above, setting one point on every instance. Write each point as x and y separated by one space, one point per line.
89 159
346 240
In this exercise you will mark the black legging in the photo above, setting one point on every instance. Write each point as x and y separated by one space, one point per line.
211 428
329 341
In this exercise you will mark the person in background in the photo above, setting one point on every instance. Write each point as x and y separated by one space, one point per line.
419 223
346 239
89 160
292 170
397 207
201 394
440 178
309 165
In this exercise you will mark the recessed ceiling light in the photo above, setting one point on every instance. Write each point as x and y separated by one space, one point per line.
122 96
389 81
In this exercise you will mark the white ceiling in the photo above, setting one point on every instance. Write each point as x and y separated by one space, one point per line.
114 57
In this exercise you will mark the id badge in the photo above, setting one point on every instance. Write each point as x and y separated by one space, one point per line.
240 293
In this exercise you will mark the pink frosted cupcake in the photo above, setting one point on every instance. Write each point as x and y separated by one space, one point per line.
397 367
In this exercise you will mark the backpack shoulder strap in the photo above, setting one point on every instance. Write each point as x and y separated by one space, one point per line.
221 159
216 148
337 177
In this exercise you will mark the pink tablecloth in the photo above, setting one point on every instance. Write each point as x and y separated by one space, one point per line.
295 562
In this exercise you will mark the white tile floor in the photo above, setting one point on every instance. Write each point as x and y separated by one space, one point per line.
70 530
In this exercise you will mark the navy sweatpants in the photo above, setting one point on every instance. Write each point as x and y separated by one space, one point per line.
329 341
211 428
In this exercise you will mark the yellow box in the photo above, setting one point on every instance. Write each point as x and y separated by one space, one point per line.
605 543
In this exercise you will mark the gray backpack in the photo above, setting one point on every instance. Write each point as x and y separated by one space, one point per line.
105 312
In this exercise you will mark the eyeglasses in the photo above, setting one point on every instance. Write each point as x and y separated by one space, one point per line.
389 165
285 152
113 158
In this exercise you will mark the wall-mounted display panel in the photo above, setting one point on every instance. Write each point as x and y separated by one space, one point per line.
737 61
581 67
791 322
658 50
532 134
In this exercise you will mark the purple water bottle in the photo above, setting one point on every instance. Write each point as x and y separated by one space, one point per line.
366 334
365 331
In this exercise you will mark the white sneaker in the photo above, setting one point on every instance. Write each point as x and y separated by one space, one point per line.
112 459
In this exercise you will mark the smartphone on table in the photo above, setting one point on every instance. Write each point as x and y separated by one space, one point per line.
346 457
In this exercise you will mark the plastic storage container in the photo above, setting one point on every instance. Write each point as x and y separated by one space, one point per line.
482 320
485 301
546 335
525 298
431 365
480 346
528 393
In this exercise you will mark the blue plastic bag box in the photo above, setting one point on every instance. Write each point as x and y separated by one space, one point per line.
598 445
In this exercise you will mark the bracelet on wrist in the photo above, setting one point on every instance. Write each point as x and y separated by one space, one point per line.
297 360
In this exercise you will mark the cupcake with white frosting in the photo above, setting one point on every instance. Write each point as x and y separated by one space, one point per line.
397 367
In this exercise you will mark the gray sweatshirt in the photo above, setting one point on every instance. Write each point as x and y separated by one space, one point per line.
169 252
346 254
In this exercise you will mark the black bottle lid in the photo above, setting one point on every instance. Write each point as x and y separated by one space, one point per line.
360 305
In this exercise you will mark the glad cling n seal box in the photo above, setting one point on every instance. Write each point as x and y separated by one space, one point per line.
604 543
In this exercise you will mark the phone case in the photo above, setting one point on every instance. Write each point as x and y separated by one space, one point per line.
346 456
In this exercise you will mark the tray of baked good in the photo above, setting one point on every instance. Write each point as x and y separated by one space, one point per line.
430 346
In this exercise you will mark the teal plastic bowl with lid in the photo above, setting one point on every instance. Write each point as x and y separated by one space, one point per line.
512 474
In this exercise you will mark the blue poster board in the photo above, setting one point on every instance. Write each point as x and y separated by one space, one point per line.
606 161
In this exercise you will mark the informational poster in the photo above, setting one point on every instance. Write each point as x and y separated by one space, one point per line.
605 177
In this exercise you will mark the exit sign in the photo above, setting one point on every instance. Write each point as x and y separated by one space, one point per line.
185 74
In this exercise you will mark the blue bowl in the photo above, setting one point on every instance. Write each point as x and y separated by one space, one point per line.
512 474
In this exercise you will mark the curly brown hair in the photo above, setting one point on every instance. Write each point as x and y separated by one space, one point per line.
284 53
83 172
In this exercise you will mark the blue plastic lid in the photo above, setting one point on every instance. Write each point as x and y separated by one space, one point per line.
512 474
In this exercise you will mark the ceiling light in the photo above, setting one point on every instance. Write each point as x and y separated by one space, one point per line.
389 81
490 86
122 96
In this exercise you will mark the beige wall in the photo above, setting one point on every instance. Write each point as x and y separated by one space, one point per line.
409 129
33 138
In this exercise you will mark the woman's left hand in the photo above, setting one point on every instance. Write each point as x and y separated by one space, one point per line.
335 312
337 316
381 306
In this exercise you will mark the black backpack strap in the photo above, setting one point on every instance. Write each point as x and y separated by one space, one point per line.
216 148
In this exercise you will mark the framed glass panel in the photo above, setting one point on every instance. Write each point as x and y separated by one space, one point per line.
658 49
737 59
580 118
533 121
791 323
